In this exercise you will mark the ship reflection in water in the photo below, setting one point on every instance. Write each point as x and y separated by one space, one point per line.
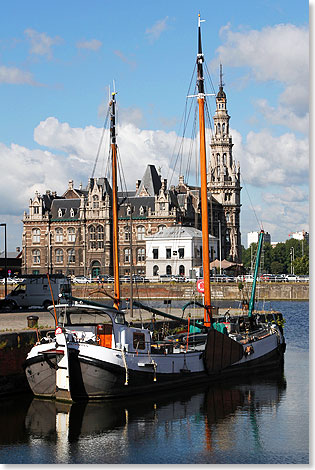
160 428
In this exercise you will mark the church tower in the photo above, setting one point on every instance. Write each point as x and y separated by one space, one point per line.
224 181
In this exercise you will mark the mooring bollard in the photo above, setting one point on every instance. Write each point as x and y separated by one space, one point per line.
32 321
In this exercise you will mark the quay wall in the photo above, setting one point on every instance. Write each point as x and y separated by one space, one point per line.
14 347
219 291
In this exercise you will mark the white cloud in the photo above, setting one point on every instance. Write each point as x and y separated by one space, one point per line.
267 160
154 32
41 43
92 45
121 55
15 76
137 147
276 53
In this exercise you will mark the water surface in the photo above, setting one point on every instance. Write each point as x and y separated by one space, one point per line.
261 420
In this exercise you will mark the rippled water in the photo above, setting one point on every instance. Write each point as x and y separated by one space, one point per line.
258 421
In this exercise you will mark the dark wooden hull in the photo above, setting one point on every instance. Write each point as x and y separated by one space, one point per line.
96 379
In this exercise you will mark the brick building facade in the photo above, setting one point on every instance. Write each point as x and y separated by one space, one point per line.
72 233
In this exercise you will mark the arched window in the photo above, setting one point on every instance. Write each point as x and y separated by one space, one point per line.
71 234
140 232
36 256
223 128
127 255
155 270
100 236
92 237
59 235
127 232
161 227
219 128
181 270
218 159
59 255
224 158
36 235
168 270
95 201
141 254
71 255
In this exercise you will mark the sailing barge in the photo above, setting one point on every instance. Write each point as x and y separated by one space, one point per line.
94 353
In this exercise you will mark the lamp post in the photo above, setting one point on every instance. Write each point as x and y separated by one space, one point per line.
5 259
292 259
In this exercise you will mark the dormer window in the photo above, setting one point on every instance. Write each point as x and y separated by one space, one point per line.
141 210
71 212
128 211
60 214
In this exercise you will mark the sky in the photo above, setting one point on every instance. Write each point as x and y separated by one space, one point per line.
58 60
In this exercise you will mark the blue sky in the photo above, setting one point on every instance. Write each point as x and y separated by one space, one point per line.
58 58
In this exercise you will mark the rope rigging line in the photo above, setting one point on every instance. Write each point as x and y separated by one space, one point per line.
260 225
100 143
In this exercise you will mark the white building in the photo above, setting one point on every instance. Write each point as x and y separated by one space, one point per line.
299 235
175 251
253 237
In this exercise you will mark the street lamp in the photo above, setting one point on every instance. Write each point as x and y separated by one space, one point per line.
5 259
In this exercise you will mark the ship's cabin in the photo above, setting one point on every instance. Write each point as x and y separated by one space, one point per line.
102 326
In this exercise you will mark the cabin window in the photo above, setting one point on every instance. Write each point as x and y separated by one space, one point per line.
36 235
140 232
168 253
59 235
168 270
138 341
155 252
155 270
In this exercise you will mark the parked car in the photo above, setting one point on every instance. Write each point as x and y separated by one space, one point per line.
291 278
81 280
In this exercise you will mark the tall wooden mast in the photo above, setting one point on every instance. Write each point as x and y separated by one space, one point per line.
115 201
203 173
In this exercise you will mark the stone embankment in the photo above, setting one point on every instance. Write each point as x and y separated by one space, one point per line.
219 291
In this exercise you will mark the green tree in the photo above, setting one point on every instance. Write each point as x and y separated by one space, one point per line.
276 267
301 265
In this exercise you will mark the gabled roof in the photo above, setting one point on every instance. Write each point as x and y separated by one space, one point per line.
150 183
